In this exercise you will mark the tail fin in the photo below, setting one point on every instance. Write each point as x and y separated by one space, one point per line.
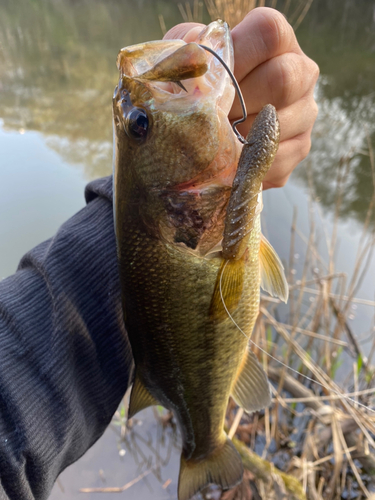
223 468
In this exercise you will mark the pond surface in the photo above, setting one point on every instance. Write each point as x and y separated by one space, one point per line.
57 75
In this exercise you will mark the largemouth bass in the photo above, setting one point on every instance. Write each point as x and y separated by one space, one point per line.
191 254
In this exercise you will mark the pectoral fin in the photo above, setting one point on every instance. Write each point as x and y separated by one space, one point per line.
228 288
140 398
251 389
272 273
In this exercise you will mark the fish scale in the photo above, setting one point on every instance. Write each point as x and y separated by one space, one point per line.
185 312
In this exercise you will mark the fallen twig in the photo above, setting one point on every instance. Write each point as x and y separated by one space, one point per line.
116 489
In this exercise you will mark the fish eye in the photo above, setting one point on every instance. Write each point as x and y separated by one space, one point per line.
137 123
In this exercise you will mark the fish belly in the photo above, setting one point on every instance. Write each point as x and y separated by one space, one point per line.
185 359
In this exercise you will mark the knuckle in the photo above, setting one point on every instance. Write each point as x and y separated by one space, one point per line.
293 77
291 153
314 70
311 72
274 30
304 145
281 181
286 79
315 110
280 171
276 182
310 111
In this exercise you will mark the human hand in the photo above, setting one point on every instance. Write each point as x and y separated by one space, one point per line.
271 69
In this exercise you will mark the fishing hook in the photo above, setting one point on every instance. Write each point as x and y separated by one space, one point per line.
238 90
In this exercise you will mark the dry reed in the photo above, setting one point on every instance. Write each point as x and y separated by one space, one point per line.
233 11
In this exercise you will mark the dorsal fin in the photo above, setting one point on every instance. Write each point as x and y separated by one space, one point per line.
272 273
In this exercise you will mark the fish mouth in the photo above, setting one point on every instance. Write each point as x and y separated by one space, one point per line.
151 74
163 66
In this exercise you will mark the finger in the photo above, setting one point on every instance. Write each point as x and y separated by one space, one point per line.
289 154
263 34
184 31
294 120
280 81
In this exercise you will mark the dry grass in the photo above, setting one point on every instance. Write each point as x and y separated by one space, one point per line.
233 11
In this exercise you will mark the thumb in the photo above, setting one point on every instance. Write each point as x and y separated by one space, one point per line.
184 31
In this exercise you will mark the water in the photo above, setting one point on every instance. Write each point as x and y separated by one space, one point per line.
150 450
57 74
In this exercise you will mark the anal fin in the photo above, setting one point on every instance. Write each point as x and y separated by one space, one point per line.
272 273
223 468
140 398
251 388
228 288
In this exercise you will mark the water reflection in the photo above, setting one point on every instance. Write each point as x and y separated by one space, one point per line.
146 465
152 451
57 69
58 72
340 36
342 144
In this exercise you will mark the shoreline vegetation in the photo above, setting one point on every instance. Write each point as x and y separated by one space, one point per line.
233 11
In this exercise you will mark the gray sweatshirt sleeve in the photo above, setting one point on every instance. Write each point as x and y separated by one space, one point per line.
65 360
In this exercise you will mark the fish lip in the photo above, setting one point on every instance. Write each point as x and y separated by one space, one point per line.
158 49
166 47
137 59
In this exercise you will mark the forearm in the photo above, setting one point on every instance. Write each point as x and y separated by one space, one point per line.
64 354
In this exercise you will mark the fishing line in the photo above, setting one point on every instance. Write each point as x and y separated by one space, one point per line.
281 362
238 90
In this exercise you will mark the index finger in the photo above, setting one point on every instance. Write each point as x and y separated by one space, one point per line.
263 34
